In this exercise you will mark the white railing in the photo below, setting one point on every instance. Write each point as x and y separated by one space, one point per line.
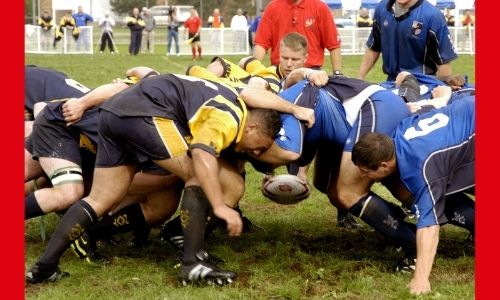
37 40
223 41
354 40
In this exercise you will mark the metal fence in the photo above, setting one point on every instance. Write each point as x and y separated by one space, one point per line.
223 41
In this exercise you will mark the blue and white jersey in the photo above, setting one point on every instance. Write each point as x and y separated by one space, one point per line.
43 84
427 83
435 157
330 125
416 42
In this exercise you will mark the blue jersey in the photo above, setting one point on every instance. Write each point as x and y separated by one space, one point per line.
416 42
43 84
427 84
435 157
81 19
330 125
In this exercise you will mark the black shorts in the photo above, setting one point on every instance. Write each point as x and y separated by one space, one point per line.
132 140
54 139
196 39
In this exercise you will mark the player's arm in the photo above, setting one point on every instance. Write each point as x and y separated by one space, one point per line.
258 98
369 60
74 108
315 77
444 72
141 72
427 242
259 52
206 171
38 107
336 59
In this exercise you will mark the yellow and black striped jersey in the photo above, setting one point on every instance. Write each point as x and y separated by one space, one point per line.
253 68
210 111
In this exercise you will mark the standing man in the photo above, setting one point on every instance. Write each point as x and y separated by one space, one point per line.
239 25
412 36
136 25
46 24
193 24
107 23
311 18
436 163
216 22
149 32
173 31
83 19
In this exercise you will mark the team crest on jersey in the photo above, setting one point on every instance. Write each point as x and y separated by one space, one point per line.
416 28
309 22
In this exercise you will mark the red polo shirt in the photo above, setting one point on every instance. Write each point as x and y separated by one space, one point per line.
193 24
311 18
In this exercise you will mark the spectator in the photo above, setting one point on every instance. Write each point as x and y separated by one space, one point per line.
136 25
193 24
216 22
45 22
107 23
450 19
468 19
254 26
83 19
67 22
364 19
239 25
311 18
173 31
149 31
422 37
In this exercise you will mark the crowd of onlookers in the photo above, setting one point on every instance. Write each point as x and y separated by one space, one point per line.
142 25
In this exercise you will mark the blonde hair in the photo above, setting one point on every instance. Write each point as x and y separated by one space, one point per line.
295 41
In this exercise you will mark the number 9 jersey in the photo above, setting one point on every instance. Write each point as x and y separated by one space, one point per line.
435 156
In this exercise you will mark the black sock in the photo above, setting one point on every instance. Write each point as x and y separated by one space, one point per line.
194 211
31 207
387 219
172 228
75 221
459 209
127 219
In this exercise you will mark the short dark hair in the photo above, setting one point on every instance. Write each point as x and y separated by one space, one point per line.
270 120
372 149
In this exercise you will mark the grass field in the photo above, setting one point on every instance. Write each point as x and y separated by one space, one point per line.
298 252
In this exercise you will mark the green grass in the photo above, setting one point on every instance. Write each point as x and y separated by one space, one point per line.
298 253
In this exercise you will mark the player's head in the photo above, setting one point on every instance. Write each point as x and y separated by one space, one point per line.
261 126
80 9
135 11
374 155
293 52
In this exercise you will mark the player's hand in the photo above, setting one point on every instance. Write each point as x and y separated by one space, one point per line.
73 110
413 107
305 114
232 218
456 81
318 78
441 91
419 287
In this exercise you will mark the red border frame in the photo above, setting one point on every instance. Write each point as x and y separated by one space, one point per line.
12 220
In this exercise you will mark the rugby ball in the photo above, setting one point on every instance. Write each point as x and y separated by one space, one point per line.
285 189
